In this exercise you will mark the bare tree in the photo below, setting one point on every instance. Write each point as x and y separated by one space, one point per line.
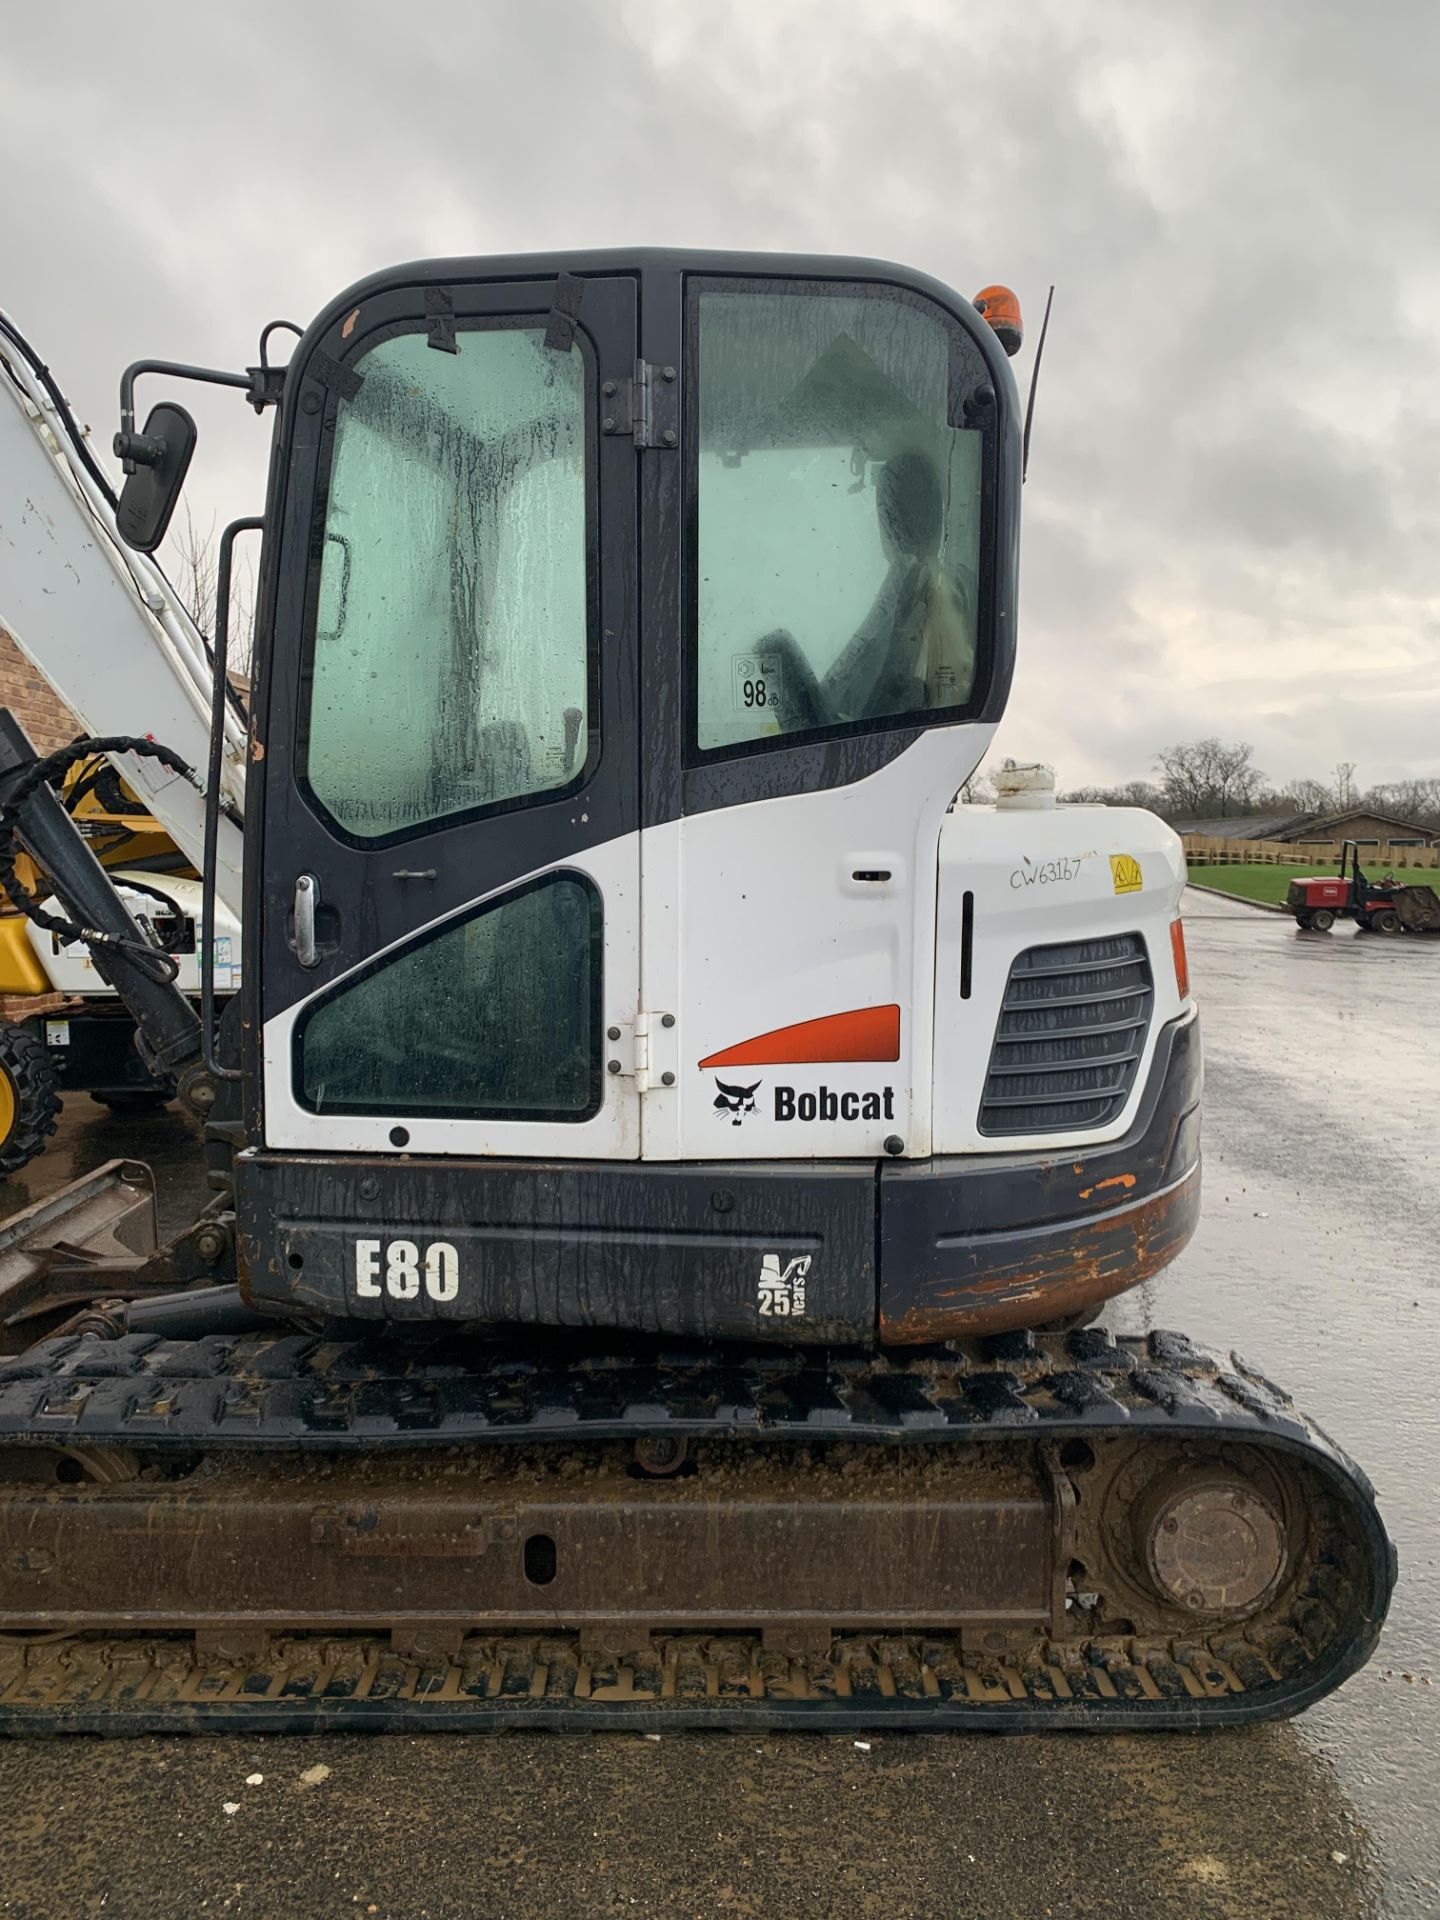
195 570
1417 800
1141 793
1209 776
1311 796
1130 793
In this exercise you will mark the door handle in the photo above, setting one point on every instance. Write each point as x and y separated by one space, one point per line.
307 898
874 873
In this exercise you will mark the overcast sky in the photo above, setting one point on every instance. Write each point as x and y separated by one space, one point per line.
1231 522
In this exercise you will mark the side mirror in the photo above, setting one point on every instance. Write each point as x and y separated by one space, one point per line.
161 458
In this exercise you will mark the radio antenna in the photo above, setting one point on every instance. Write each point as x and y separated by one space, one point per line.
1034 380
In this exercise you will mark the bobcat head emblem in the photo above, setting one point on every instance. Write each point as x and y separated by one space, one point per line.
736 1101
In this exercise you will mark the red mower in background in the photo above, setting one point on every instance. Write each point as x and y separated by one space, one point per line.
1376 906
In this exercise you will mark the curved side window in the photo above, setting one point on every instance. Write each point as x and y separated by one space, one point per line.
837 542
450 657
496 1016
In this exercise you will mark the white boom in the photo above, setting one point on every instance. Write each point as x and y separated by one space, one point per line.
101 622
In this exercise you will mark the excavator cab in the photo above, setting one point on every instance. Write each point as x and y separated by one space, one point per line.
629 625
503 508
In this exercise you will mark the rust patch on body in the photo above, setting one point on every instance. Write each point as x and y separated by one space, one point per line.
1115 1180
1067 1274
349 326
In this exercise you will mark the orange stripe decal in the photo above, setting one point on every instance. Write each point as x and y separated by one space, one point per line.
868 1033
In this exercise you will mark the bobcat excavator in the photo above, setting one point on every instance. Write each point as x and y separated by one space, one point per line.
667 1156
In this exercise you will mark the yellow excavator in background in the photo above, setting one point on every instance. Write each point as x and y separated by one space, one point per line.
116 642
64 1029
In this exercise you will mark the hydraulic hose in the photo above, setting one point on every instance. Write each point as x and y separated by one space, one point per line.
52 768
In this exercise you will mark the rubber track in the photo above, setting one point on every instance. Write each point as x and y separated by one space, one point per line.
287 1391
354 1684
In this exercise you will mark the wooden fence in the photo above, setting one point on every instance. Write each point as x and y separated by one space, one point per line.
1205 850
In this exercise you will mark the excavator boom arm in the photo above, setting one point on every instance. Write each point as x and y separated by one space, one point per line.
100 621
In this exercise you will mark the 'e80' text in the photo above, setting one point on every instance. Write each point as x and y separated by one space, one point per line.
400 1270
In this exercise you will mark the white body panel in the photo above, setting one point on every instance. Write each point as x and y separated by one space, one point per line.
103 624
72 970
754 921
775 929
1039 878
611 1134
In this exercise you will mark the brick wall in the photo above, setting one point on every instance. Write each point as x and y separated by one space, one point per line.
33 701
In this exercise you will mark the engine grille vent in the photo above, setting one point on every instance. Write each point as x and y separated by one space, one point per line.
1071 1032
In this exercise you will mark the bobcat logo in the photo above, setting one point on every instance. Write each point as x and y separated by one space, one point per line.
736 1101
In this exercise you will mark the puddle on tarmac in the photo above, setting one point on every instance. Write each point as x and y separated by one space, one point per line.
1316 1257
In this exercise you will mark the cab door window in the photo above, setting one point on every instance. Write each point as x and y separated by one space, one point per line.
837 514
493 1016
451 658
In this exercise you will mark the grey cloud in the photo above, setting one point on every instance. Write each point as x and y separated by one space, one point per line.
1236 439
1288 483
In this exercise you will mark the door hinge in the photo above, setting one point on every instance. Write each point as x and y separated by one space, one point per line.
646 406
657 1052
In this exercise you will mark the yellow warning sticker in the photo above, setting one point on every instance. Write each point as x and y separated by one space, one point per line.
1125 871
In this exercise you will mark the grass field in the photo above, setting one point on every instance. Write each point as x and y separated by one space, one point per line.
1256 883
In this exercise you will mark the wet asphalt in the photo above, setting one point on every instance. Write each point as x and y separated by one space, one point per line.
1316 1258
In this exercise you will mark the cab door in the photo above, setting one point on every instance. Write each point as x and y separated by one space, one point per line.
846 610
449 891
